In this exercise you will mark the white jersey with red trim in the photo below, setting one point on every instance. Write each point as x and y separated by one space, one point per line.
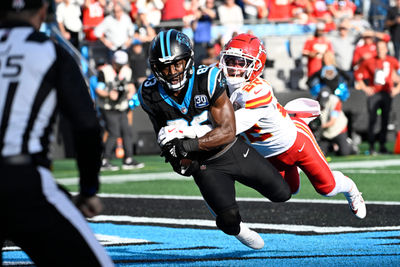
261 120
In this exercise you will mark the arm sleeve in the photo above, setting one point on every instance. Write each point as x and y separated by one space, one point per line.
76 105
246 118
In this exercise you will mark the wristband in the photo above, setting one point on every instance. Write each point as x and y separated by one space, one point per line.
191 145
88 191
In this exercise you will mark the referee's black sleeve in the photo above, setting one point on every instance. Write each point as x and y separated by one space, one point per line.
75 104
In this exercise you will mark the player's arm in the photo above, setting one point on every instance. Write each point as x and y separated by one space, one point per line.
76 105
224 131
246 118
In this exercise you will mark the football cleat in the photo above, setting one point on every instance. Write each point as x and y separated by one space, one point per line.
131 164
107 166
356 203
249 237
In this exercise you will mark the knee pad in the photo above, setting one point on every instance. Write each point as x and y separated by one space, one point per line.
229 221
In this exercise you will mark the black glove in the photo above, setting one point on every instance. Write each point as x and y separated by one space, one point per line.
174 150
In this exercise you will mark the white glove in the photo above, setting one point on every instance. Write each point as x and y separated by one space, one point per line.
167 133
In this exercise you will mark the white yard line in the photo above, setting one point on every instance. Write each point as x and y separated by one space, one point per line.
248 199
211 223
122 178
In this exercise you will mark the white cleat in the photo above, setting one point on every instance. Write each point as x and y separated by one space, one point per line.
249 237
356 203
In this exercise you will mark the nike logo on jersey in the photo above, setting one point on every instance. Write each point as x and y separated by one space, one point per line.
302 147
245 154
257 91
171 130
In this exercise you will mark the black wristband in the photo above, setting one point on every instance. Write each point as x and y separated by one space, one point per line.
191 145
88 191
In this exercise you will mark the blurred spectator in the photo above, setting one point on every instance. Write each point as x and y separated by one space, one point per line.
114 90
125 4
330 76
173 11
377 14
145 31
231 16
254 9
342 9
334 136
152 9
298 11
212 57
359 23
375 77
318 10
93 15
314 48
365 50
116 30
393 24
138 63
279 10
205 16
343 44
69 21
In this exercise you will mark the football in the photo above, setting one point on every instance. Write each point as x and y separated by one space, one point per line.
185 163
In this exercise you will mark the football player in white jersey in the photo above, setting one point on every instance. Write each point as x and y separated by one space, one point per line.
287 142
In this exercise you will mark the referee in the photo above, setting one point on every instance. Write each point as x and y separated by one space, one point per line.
37 79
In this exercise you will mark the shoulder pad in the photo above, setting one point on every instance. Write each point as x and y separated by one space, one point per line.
258 93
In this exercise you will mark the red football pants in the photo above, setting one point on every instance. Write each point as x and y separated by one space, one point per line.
305 154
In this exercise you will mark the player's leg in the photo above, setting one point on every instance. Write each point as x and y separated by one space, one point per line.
46 224
113 126
289 173
216 184
312 161
257 172
385 105
372 106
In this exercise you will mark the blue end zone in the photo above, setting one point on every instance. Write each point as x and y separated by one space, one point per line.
164 246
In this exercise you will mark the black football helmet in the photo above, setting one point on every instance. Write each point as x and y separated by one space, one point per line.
167 48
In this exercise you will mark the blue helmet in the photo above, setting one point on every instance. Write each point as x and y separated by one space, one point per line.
167 48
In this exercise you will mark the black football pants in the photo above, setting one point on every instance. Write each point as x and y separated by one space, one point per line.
43 222
242 163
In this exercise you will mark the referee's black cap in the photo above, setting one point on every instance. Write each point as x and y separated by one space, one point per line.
20 5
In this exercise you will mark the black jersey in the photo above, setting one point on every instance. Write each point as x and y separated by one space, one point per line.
203 89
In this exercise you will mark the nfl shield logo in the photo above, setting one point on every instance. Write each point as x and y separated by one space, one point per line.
184 110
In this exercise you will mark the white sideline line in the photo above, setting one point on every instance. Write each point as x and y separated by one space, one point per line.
365 164
356 171
121 178
248 199
211 223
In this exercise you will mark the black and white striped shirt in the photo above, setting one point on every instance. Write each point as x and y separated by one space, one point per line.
38 78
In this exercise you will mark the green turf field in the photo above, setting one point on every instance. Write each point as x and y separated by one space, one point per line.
379 183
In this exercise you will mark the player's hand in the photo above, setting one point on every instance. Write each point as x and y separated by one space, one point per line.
174 149
89 206
188 170
168 133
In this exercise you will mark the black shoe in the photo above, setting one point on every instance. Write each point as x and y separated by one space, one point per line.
130 164
383 150
107 166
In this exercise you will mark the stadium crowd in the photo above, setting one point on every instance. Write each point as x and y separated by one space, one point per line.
348 29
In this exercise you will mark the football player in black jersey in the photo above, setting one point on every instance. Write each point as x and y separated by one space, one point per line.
180 95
